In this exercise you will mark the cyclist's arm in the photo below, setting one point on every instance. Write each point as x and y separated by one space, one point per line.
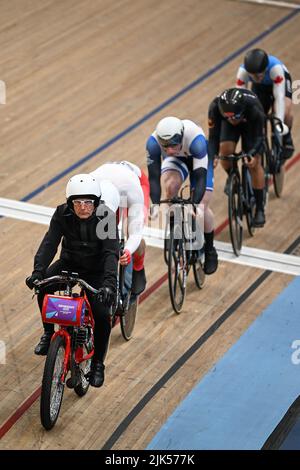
135 219
198 150
110 261
48 247
214 129
154 168
242 78
278 78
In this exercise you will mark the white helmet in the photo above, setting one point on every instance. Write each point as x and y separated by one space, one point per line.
110 195
83 185
169 131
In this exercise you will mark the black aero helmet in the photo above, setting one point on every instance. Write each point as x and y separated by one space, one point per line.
232 103
256 61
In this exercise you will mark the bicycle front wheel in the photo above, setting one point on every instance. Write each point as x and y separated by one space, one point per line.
249 200
177 269
52 385
235 213
84 370
278 180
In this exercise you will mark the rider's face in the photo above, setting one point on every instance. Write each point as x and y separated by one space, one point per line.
172 150
257 77
234 122
83 210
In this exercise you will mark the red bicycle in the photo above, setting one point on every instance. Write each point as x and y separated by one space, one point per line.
72 345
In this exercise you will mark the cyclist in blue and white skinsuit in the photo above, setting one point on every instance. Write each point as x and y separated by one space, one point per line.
175 150
272 83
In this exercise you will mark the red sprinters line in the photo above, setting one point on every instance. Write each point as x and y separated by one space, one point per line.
14 417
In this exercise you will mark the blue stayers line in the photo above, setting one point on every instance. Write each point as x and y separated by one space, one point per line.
173 98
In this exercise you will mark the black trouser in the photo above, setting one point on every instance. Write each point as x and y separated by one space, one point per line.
101 313
246 130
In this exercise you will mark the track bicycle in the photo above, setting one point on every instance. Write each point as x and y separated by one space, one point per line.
241 200
179 252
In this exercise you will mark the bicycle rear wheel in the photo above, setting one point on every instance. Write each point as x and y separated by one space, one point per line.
235 213
128 319
199 275
177 269
52 386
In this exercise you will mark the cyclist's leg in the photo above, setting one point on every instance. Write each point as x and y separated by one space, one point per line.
257 174
174 172
265 95
211 256
42 347
102 330
138 276
229 137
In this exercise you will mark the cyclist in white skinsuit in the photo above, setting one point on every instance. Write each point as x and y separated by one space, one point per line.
272 83
131 183
175 150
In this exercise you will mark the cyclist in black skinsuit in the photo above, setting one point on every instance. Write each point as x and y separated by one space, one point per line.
233 114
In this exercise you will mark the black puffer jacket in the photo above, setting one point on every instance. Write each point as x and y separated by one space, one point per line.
82 251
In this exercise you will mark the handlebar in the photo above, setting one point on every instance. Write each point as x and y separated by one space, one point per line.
234 157
66 280
176 200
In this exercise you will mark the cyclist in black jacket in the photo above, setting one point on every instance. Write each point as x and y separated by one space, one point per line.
236 113
84 251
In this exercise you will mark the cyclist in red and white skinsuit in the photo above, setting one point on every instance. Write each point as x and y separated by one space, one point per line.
133 187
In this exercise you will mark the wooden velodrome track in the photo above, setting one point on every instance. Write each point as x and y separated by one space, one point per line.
78 74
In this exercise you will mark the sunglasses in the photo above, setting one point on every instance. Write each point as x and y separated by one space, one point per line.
86 202
173 142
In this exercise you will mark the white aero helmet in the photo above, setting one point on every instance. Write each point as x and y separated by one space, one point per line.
110 195
83 185
169 131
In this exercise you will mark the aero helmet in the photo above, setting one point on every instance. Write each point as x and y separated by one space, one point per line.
256 61
169 131
232 103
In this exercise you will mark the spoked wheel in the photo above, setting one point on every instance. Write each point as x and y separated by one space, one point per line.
249 203
235 214
128 317
177 270
52 386
84 369
198 271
